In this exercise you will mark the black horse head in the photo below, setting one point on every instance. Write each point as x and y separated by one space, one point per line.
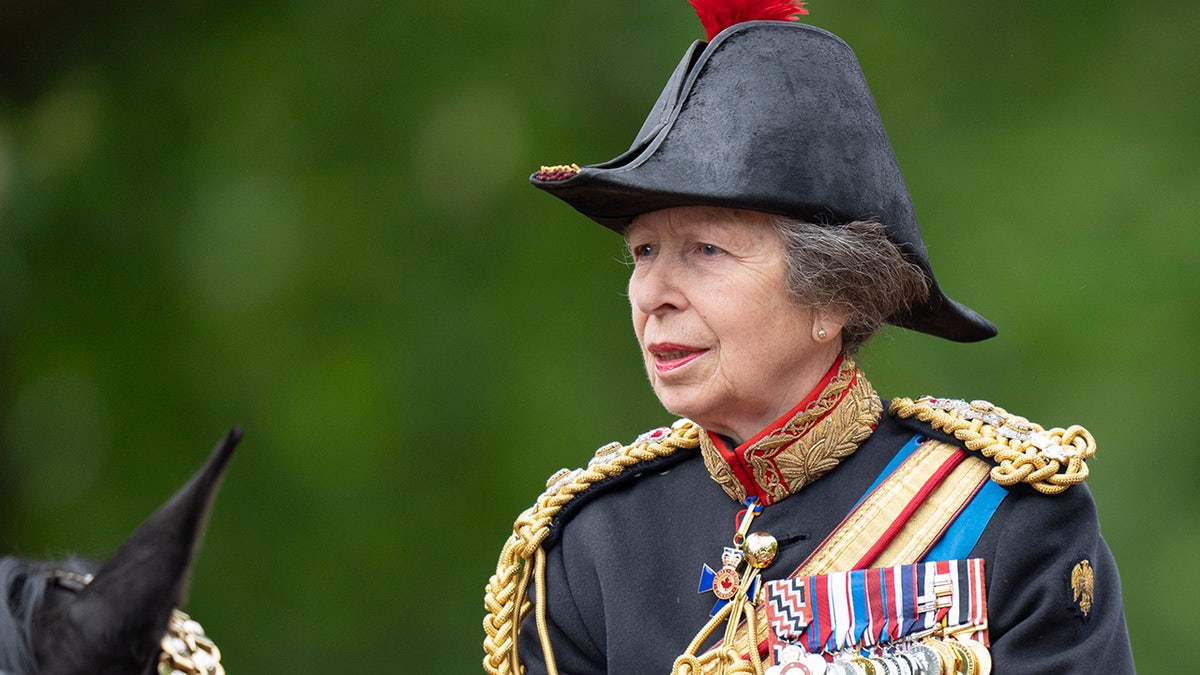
108 618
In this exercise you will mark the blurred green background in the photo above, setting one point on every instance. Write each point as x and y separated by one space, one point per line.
312 219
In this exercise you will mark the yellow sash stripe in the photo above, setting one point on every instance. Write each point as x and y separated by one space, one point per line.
847 544
936 513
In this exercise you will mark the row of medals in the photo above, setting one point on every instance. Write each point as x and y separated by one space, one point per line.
929 656
947 654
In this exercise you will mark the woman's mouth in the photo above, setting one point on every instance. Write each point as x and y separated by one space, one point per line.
668 357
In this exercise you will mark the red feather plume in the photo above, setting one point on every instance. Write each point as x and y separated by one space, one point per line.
717 15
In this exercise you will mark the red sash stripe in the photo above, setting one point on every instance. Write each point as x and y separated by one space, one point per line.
910 508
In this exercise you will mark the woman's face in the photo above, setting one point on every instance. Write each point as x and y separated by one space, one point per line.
723 341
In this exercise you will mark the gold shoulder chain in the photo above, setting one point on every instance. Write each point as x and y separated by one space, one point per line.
1049 460
523 557
186 650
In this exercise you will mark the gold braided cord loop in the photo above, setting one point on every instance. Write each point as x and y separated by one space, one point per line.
1049 460
738 653
522 556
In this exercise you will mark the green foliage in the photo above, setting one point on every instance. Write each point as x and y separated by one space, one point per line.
312 219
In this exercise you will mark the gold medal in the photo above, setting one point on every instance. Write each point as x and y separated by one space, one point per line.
966 659
928 660
983 658
948 658
855 667
867 665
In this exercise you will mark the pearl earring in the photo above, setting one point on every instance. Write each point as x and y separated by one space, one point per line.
821 334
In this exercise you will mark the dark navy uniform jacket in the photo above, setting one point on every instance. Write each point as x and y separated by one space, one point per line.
624 562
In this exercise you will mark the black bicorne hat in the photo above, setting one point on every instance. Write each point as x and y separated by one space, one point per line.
771 116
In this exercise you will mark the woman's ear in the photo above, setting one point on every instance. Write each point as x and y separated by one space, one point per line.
827 325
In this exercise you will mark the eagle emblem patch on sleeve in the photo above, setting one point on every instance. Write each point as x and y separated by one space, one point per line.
1083 587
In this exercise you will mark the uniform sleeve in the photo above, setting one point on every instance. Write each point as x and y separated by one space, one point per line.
1054 593
574 611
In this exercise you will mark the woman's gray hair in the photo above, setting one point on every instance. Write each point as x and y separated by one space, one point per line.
851 269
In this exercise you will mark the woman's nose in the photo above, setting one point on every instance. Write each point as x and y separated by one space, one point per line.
657 287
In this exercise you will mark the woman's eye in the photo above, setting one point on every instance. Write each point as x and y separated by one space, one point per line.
642 250
709 249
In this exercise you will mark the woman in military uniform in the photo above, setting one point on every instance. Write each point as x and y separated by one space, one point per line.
793 521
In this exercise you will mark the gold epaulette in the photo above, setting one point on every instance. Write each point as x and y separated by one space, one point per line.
1049 460
522 557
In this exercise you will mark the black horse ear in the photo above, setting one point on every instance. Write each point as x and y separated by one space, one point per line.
115 623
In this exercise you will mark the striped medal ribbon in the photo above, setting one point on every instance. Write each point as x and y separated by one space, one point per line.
868 608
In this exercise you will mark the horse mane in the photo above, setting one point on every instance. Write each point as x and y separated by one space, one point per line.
24 584
16 613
